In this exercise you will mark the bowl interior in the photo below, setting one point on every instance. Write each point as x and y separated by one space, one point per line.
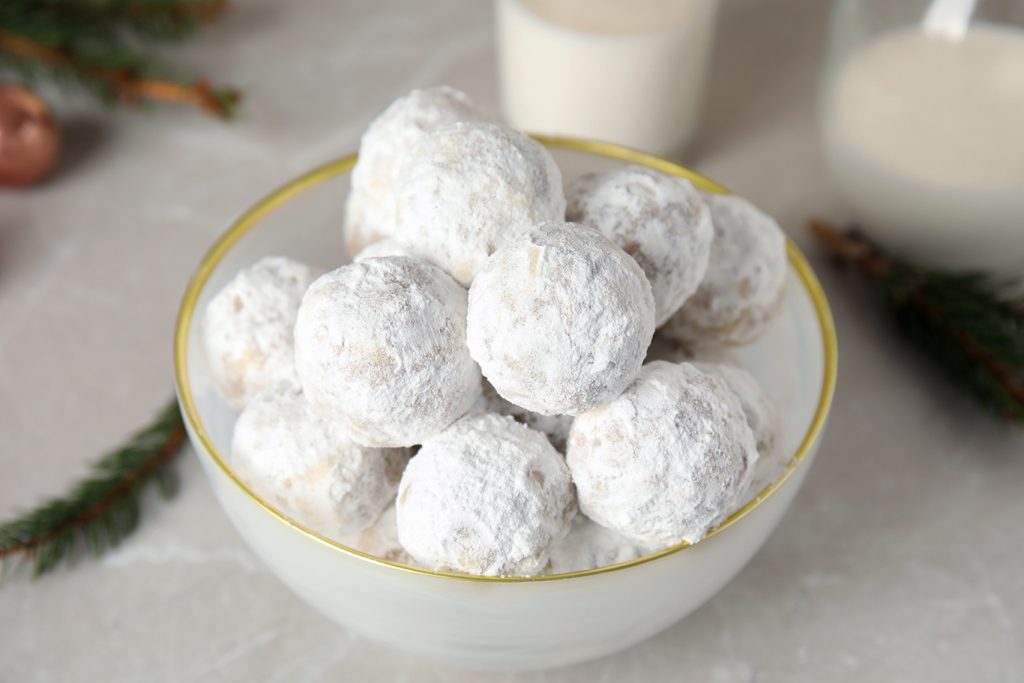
794 360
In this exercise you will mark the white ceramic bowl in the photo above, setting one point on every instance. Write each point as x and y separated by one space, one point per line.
479 622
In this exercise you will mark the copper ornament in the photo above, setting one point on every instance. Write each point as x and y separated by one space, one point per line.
29 139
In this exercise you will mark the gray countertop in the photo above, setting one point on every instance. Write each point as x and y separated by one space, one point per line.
900 559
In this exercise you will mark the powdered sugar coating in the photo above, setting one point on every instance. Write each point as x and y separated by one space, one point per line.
308 467
665 461
760 411
762 418
666 347
381 539
382 248
381 346
589 545
247 328
370 208
466 189
658 219
555 427
745 280
487 496
560 319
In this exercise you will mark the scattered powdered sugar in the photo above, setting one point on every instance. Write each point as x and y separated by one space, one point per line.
308 467
658 219
370 209
382 248
487 496
665 461
589 545
560 319
465 189
555 427
744 283
247 328
762 418
381 346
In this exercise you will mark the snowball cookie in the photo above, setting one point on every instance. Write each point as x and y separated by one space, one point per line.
560 319
381 539
664 347
467 188
385 247
746 276
309 468
381 346
370 209
589 545
247 328
762 418
659 220
486 496
555 427
665 461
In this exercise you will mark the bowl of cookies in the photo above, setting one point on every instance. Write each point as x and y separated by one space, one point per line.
503 401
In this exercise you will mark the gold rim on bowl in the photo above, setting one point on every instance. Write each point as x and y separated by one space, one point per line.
335 168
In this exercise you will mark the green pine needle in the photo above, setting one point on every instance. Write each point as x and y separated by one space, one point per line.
105 47
964 322
102 509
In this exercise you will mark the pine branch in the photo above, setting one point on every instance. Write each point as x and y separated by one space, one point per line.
168 19
102 509
123 84
160 19
103 45
962 321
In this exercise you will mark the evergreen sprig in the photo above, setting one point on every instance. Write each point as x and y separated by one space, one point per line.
105 47
102 509
967 323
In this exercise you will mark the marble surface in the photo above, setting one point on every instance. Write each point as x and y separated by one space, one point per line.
900 559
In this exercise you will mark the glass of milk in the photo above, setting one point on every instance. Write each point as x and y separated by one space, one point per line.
922 122
625 71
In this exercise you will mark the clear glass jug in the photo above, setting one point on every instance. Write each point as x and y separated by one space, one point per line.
922 124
